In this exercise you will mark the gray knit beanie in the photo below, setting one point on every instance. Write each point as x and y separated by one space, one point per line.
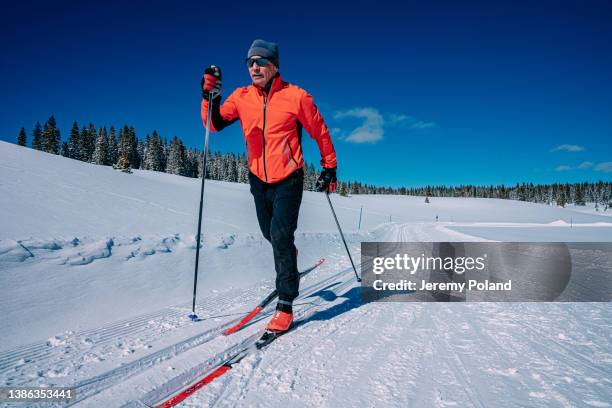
264 49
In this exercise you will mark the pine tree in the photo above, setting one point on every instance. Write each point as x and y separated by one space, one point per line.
579 195
65 151
133 142
146 153
22 138
561 198
196 157
100 153
231 173
140 151
112 147
74 143
124 149
37 141
84 144
153 160
87 142
176 158
51 136
165 152
242 168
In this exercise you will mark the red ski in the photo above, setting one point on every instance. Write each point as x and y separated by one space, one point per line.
257 344
261 306
218 372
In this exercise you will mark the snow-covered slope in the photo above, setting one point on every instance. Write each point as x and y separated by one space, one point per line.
96 272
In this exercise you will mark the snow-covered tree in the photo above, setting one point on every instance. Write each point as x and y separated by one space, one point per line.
242 169
154 153
100 154
124 150
87 140
112 147
140 151
176 158
133 142
74 143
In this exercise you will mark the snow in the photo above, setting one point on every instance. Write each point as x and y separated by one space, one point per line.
96 272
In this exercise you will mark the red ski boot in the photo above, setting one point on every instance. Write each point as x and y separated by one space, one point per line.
282 319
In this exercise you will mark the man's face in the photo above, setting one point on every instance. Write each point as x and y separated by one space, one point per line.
261 75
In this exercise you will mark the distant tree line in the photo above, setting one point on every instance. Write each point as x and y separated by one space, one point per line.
122 149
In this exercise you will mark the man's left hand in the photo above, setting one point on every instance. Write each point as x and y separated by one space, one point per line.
327 180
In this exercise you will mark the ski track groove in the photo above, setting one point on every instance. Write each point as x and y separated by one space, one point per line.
203 368
459 366
115 332
244 386
235 383
106 380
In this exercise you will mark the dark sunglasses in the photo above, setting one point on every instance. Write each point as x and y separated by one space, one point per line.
261 62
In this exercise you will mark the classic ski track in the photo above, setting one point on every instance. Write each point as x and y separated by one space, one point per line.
425 377
153 397
116 330
310 311
480 343
92 386
355 321
456 361
43 351
40 351
243 387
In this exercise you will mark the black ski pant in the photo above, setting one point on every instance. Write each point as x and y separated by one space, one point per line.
278 207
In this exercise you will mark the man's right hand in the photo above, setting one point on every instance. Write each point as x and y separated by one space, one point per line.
327 180
211 82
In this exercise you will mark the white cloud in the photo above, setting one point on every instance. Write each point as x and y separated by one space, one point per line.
411 122
370 131
568 148
604 167
423 125
336 132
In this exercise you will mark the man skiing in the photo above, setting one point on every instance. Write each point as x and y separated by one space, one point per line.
272 113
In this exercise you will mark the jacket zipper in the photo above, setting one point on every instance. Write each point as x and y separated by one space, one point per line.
263 135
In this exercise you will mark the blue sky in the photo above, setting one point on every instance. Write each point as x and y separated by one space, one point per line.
435 93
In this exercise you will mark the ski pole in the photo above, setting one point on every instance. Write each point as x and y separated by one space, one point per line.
193 315
342 235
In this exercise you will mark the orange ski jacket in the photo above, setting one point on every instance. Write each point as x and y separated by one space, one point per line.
272 125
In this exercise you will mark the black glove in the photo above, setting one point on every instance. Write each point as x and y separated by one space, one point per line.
211 82
327 180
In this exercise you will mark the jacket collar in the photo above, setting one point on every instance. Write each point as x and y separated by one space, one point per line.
276 84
